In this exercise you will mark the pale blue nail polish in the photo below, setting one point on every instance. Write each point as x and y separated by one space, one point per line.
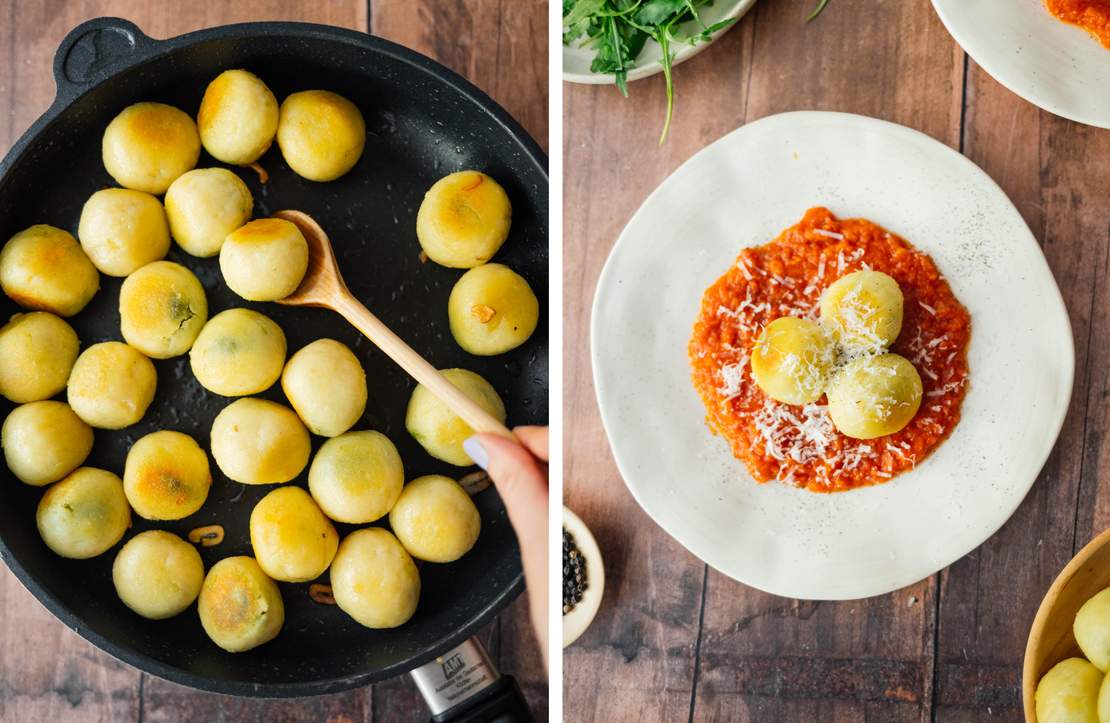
476 451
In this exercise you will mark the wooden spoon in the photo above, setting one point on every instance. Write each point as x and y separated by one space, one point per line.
323 286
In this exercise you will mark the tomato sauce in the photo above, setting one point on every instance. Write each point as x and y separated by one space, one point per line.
798 445
1091 15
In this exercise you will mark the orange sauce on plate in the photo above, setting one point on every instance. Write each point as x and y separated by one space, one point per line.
1091 15
786 277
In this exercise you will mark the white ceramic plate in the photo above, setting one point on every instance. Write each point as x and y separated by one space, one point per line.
1055 66
577 59
742 191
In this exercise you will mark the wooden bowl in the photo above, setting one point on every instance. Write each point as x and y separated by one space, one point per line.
1051 639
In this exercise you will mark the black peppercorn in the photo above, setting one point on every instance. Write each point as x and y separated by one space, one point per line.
574 573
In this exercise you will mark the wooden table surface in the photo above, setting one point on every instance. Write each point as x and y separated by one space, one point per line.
675 640
47 672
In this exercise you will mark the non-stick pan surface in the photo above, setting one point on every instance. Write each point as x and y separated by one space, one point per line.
423 122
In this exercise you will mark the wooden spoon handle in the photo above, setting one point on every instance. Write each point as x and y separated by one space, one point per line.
418 367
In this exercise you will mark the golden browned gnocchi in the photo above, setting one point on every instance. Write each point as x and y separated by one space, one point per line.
356 477
238 117
874 396
43 267
792 359
1069 693
44 441
240 608
435 519
148 145
492 309
203 206
463 220
157 574
166 476
863 310
325 383
1092 630
37 351
439 430
162 308
259 442
292 539
238 352
321 134
84 514
374 580
264 260
111 385
122 230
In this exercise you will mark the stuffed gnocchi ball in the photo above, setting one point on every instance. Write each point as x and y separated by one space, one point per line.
1092 630
1068 693
238 117
162 308
240 607
435 519
83 515
792 359
122 230
157 574
874 396
264 260
166 476
356 477
43 267
37 351
325 383
238 352
148 145
321 134
203 206
863 310
440 431
44 441
463 220
111 385
492 310
374 580
259 442
292 539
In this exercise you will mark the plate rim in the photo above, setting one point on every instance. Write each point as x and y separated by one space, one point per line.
992 66
1068 362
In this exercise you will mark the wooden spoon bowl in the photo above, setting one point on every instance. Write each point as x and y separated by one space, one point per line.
1051 639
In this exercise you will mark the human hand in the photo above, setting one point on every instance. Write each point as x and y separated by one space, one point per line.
520 473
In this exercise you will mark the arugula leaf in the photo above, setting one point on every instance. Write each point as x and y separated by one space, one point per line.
817 10
618 29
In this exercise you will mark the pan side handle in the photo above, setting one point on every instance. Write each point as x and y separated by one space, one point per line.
93 51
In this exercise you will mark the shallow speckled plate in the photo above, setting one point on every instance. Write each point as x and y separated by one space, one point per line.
577 59
742 191
1053 65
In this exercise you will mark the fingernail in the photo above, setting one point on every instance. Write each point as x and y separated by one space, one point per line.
476 451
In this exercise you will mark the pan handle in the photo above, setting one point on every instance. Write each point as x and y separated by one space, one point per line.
93 51
463 686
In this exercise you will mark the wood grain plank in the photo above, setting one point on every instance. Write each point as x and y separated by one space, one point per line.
499 45
759 657
1055 171
639 654
869 659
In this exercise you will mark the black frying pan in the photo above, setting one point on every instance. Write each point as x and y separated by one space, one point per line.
423 122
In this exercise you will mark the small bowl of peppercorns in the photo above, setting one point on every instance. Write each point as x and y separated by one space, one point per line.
583 577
